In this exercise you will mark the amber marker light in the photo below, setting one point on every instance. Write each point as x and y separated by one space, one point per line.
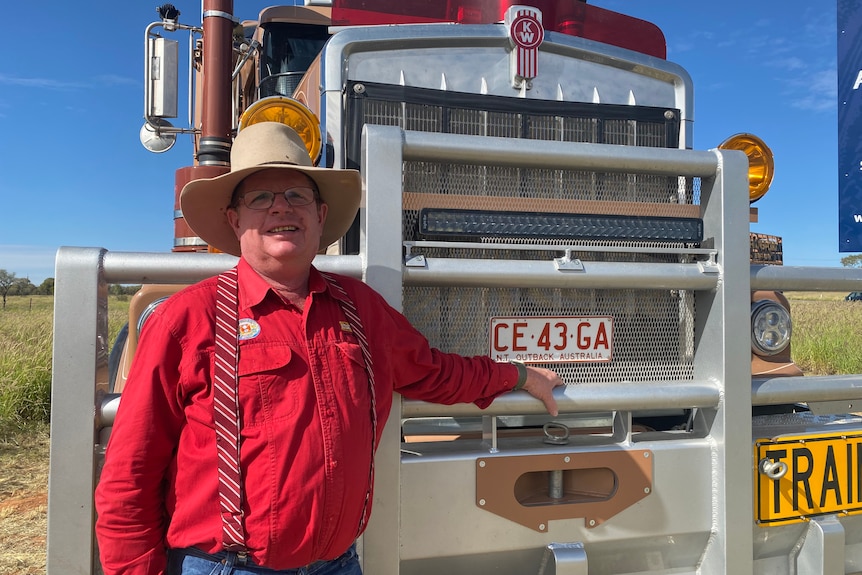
291 113
761 166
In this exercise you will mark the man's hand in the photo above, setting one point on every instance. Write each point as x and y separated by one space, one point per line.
540 384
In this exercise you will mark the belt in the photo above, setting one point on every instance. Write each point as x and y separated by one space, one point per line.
175 557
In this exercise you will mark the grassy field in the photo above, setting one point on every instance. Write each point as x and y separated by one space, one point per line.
25 361
827 332
26 326
25 369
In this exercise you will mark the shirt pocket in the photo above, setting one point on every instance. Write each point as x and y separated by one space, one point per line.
268 380
353 373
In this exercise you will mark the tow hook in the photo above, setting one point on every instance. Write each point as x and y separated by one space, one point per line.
774 470
558 437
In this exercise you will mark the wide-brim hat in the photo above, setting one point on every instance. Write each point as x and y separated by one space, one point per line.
264 146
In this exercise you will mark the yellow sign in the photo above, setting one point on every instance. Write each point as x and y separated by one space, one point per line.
800 476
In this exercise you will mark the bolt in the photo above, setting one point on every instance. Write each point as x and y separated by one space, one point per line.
482 502
541 526
567 459
646 490
481 464
592 522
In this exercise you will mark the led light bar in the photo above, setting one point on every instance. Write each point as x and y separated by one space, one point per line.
475 223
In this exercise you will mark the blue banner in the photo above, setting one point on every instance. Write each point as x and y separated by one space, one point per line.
849 125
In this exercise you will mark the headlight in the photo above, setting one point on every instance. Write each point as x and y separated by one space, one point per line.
770 327
145 315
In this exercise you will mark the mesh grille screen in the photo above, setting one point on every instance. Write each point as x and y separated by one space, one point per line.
435 118
653 329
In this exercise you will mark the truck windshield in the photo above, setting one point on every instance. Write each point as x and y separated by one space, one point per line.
288 51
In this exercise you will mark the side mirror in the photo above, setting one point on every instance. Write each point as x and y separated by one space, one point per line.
161 73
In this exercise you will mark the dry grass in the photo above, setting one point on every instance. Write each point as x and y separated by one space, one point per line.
26 327
827 335
25 383
815 295
24 502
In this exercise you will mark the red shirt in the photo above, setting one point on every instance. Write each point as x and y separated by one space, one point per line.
306 425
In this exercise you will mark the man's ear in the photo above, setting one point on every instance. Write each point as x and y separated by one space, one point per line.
233 219
322 210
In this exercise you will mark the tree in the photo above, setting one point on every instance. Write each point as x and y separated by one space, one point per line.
854 261
22 286
46 287
6 281
123 289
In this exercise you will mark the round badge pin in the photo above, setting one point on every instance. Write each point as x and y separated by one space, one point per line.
248 328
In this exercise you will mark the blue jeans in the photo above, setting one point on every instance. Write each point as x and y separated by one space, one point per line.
187 562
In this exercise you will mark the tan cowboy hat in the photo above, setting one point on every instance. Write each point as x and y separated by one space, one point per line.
263 146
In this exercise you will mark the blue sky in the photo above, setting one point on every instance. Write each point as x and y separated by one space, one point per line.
71 106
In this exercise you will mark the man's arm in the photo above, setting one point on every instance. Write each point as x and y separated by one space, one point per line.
130 504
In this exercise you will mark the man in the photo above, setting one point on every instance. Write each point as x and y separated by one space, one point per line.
311 387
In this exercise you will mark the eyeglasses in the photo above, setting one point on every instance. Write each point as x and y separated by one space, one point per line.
263 199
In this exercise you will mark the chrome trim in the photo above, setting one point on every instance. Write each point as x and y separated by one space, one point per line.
220 14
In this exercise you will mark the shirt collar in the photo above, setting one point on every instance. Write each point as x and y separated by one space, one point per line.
253 288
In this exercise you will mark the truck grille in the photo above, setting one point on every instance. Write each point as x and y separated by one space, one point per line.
653 329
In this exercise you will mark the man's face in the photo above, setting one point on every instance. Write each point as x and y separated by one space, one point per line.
282 233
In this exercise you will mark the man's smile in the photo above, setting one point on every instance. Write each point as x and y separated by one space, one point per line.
278 229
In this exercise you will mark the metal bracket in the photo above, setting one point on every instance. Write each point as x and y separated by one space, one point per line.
417 261
564 559
489 433
568 264
822 547
709 267
832 407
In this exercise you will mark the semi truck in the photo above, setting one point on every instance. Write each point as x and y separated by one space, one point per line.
531 193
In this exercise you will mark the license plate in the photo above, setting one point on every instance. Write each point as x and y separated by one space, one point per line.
823 476
552 339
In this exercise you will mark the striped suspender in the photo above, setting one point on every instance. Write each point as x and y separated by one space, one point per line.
226 411
349 310
226 404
